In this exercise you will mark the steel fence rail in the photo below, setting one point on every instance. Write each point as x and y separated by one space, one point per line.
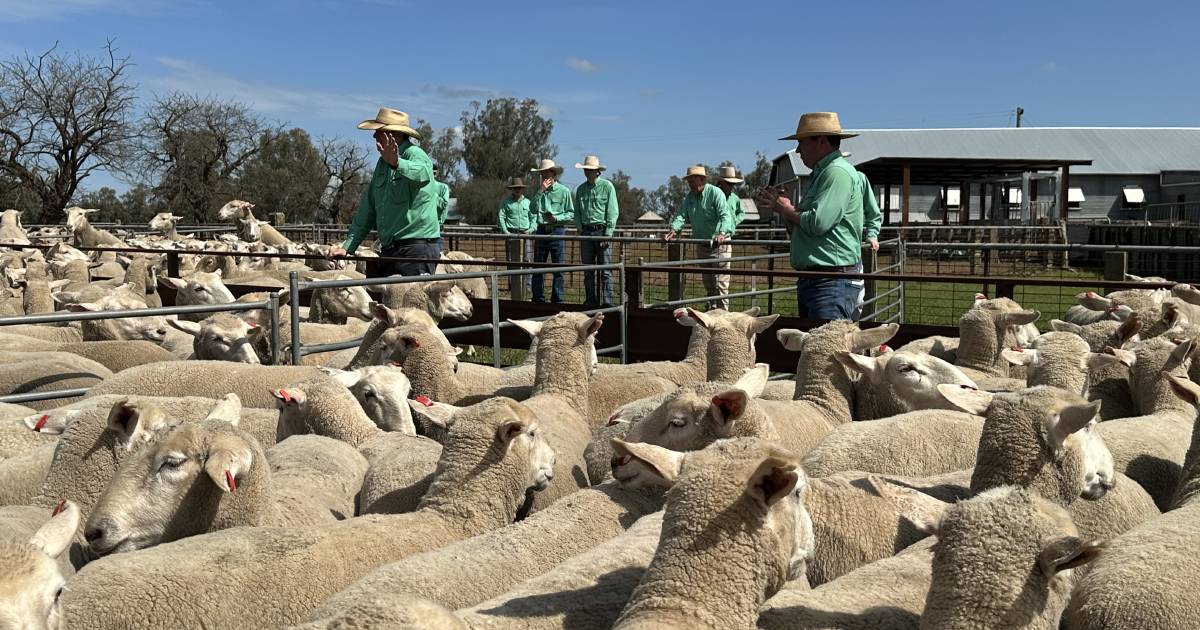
16 399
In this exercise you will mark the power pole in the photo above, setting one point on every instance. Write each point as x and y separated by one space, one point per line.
1020 112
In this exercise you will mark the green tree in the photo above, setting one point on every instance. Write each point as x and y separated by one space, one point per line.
106 201
478 199
630 200
505 138
757 179
140 205
444 149
286 175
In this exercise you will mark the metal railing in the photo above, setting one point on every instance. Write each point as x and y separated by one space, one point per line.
298 350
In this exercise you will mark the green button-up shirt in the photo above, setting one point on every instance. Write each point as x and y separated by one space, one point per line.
513 215
707 211
596 204
557 201
830 226
736 211
443 200
399 203
872 217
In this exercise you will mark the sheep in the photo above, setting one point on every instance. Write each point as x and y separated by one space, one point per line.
1094 308
22 475
494 454
742 503
382 392
220 337
897 382
164 223
1023 334
1147 577
984 332
31 577
236 209
152 329
212 379
119 355
692 369
51 373
1004 559
439 299
731 340
22 433
84 235
383 318
198 289
336 305
53 334
1109 384
11 230
310 334
36 299
1060 359
918 443
253 230
424 359
206 476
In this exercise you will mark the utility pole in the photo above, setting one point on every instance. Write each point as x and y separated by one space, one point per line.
1020 112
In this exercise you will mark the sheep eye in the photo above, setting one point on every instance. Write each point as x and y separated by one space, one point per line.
172 463
369 393
58 594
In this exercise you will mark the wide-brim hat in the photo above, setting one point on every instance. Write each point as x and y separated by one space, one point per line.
515 182
696 170
390 120
591 163
819 124
729 174
547 165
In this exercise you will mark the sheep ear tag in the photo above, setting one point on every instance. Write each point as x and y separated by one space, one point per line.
41 422
424 400
58 508
230 481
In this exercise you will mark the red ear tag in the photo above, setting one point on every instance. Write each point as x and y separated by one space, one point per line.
229 479
424 400
40 423
59 508
1018 349
252 325
287 398
1091 294
884 347
394 364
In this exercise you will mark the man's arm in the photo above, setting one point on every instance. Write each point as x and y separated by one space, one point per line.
566 208
500 219
830 198
684 214
724 215
414 165
578 204
611 212
872 217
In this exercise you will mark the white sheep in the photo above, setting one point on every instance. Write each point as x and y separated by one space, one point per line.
439 299
31 578
199 288
211 379
220 337
336 305
897 382
382 391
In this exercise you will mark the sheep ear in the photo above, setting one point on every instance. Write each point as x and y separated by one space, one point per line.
440 414
83 307
860 340
1020 318
1179 355
752 311
683 319
132 422
191 328
532 329
969 399
1059 325
510 429
1093 301
729 405
762 323
923 511
56 535
792 339
1095 360
1126 357
228 408
346 377
591 326
1068 553
754 380
1186 389
1187 293
1020 356
871 367
704 319
176 283
284 294
1129 329
661 461
772 480
1073 418
228 459
381 312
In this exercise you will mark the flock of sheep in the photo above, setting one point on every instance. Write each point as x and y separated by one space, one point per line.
1004 478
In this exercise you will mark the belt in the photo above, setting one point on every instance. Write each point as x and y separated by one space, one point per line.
547 229
412 241
833 269
595 226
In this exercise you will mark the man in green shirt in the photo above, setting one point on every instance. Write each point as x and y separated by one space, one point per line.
596 215
553 208
727 180
828 223
399 204
443 197
707 209
513 217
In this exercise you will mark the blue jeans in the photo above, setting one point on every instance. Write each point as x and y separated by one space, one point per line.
828 298
596 253
548 250
412 248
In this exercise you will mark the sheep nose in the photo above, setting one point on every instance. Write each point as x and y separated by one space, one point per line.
94 533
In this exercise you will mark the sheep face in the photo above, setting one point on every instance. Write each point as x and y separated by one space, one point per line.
195 464
221 338
201 288
914 376
686 421
250 230
77 218
164 222
383 392
236 209
450 301
1099 470
344 303
499 429
152 329
30 580
1061 359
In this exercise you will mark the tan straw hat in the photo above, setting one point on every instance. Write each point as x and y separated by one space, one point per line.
696 170
515 182
819 124
729 174
591 163
547 165
390 120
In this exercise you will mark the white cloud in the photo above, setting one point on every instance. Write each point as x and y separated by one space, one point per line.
579 64
1049 66
40 10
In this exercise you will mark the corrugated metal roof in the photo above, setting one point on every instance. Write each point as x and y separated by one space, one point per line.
1124 150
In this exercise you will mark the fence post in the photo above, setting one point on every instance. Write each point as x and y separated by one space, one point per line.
273 311
294 302
172 264
514 250
870 266
624 318
676 283
631 284
1116 265
496 319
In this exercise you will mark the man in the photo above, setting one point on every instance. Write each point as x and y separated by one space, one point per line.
513 217
596 215
399 205
552 207
727 179
442 193
827 225
707 209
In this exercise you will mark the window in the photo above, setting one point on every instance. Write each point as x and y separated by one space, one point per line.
1075 198
1132 197
953 197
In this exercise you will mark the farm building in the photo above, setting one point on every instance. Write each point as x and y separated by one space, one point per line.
1019 175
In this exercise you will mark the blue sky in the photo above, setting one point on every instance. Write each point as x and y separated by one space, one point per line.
651 87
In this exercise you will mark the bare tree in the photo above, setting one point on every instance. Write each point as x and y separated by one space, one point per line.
193 149
348 175
62 118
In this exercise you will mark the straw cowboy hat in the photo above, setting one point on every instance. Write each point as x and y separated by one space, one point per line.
819 124
547 165
729 174
515 182
390 120
696 170
591 163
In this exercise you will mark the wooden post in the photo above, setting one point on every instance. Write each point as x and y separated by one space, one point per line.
516 253
676 283
964 203
277 218
904 190
1116 265
633 285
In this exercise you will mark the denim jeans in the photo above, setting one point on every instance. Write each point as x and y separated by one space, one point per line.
828 298
548 250
596 253
408 250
